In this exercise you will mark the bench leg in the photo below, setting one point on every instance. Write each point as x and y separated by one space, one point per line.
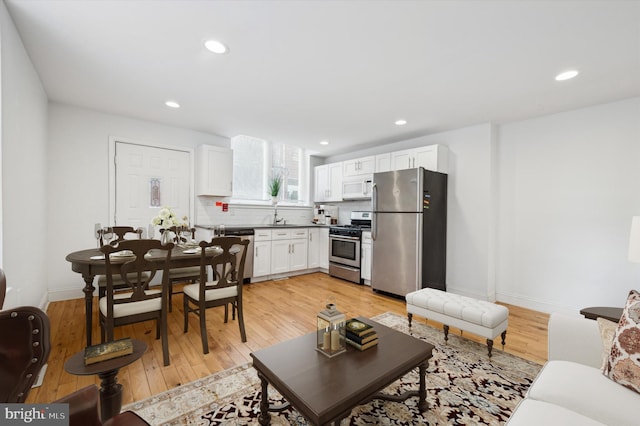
489 346
504 336
410 317
446 332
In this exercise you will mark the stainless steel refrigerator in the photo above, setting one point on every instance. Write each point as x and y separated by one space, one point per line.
409 231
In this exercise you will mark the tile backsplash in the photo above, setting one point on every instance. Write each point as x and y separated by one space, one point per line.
207 213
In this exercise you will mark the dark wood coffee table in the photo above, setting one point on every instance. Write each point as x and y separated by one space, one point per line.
325 389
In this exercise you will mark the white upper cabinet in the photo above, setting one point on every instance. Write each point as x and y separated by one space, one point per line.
214 171
431 157
383 162
359 166
328 185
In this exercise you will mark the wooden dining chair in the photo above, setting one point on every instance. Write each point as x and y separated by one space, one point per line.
225 289
121 233
189 274
128 261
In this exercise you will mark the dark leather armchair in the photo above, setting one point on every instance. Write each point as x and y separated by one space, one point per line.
3 288
24 348
84 409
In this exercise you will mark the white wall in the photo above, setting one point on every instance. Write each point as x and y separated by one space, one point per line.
569 184
78 180
24 169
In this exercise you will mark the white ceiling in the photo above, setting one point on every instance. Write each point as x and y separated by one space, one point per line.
343 71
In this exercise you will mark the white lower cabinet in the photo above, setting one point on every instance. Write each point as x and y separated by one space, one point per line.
261 252
318 253
289 250
365 257
324 248
261 258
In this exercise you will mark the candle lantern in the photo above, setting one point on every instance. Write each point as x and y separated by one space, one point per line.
331 334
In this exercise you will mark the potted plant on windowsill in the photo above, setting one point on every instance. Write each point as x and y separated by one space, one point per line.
275 183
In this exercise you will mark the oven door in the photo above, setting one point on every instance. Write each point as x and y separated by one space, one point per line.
344 250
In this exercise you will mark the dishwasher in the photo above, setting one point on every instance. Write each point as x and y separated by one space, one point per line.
245 234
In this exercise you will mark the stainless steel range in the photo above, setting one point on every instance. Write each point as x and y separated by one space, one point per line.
344 247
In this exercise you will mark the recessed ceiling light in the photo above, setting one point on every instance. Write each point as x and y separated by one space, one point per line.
567 75
172 104
401 122
215 46
324 143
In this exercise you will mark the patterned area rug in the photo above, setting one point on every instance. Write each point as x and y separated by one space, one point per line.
463 387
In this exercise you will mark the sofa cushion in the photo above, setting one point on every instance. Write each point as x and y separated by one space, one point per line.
531 412
585 390
607 333
623 365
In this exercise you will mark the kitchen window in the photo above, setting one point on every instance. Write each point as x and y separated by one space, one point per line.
255 160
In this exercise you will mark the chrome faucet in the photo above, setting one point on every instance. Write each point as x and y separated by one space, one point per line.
275 217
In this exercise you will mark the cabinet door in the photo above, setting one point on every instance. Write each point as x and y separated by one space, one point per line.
383 162
427 157
367 165
432 157
298 255
365 262
365 256
313 255
214 171
401 160
350 168
280 253
335 182
321 192
261 258
359 166
323 248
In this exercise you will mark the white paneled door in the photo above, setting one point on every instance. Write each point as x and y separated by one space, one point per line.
148 178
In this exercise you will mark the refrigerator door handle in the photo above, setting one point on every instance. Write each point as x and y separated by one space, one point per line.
374 204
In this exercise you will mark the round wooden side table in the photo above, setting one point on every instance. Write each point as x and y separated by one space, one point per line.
110 389
609 313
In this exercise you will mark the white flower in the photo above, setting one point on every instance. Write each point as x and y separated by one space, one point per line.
166 218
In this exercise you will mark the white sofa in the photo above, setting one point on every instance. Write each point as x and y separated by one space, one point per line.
571 389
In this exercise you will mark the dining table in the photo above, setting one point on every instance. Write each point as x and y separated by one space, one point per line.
91 262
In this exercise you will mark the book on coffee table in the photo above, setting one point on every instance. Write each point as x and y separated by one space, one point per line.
358 328
366 338
107 350
364 346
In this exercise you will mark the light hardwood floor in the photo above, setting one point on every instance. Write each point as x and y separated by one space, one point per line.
274 311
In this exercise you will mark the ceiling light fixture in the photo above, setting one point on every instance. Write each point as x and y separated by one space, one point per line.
401 122
172 104
324 143
566 75
216 46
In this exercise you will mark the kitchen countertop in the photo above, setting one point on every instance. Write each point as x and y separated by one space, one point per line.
263 226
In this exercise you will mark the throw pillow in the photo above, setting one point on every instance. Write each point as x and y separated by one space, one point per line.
607 333
623 365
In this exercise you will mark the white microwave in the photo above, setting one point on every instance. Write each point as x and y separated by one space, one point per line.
357 189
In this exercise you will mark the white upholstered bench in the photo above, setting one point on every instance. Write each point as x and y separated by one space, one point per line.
479 317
